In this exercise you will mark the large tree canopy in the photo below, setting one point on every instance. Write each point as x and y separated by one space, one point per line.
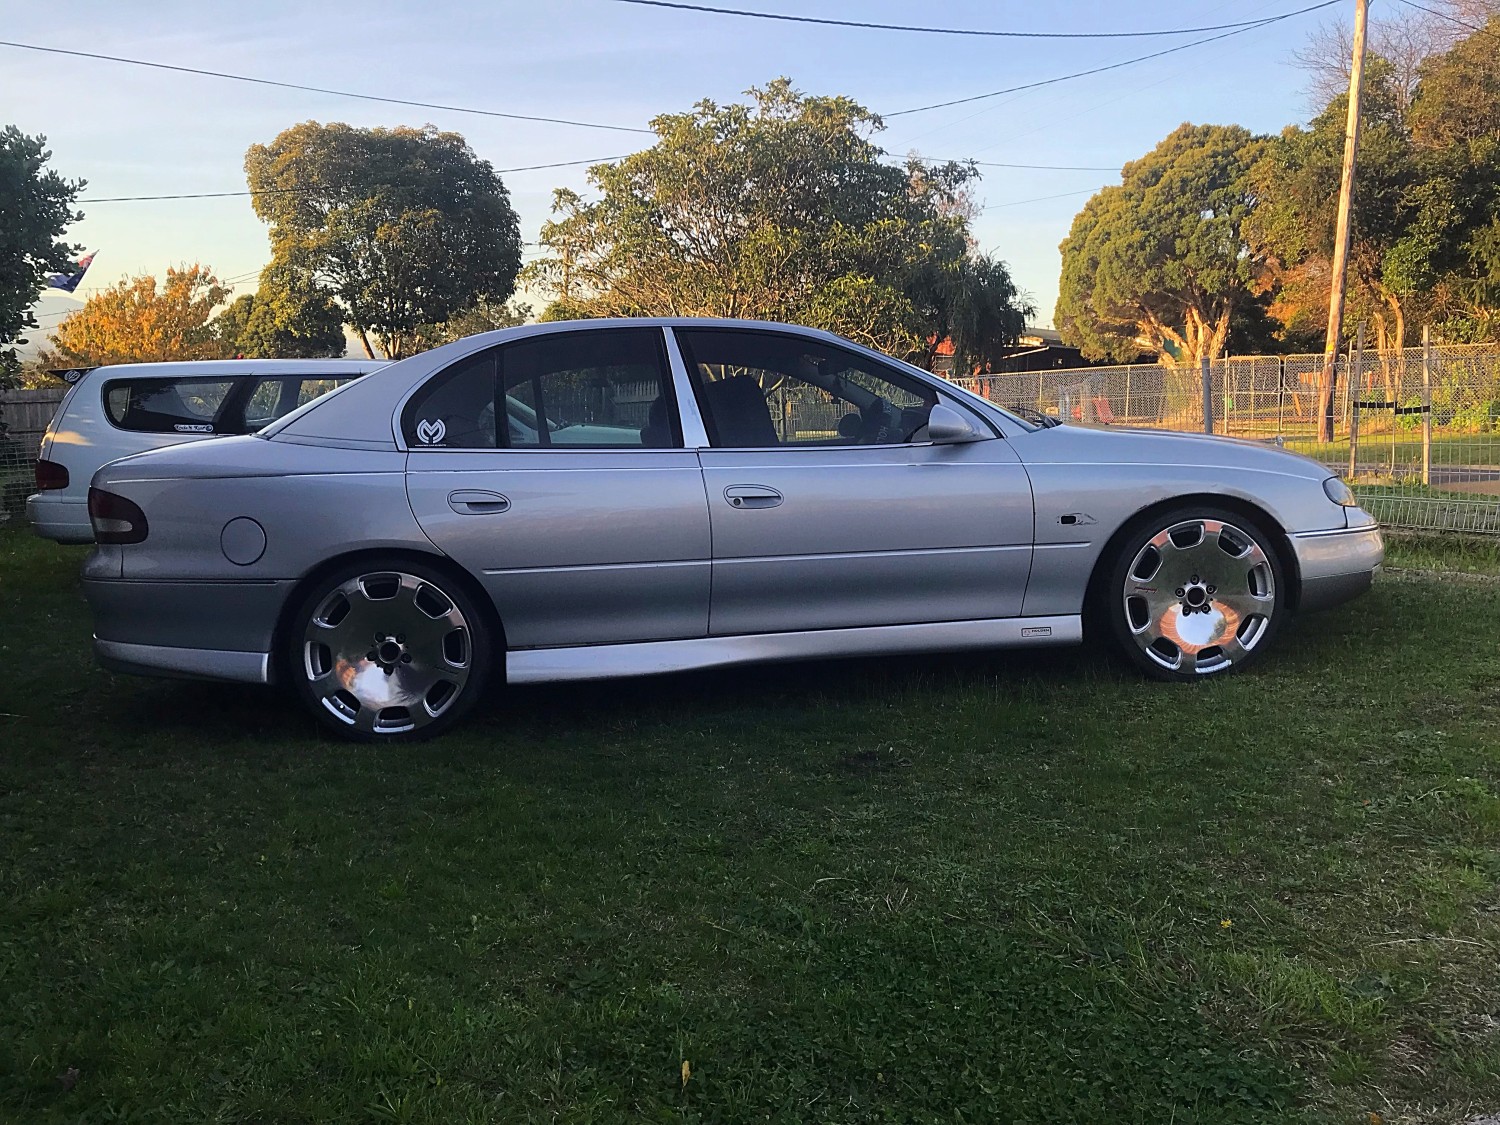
135 322
36 206
1297 188
282 320
402 227
1160 262
782 210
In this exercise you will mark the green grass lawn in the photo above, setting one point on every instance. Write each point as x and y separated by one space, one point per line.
1025 888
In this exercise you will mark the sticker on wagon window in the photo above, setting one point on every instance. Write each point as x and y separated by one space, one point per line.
431 433
192 428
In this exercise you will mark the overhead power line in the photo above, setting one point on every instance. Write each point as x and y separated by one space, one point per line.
1442 15
1048 167
985 32
320 89
1040 199
277 191
1111 66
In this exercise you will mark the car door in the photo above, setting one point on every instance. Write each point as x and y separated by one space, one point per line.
574 502
828 505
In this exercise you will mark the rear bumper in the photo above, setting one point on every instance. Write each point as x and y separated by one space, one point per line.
65 520
193 630
1336 566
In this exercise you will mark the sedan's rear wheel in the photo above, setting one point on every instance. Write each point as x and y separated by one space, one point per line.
1195 592
388 651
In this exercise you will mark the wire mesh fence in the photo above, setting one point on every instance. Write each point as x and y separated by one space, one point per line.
1416 431
24 415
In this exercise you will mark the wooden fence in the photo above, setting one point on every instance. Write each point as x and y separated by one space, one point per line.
27 413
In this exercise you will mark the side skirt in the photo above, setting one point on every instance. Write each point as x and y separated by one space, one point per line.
603 662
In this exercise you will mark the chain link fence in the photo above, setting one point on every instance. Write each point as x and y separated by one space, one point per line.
1416 431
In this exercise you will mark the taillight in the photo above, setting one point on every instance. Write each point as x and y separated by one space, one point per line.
50 475
116 519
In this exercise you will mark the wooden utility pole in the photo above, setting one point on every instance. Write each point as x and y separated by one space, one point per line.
1340 268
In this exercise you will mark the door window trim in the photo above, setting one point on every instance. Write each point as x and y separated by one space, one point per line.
873 359
667 381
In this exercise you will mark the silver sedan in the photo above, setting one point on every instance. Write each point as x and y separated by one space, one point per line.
614 498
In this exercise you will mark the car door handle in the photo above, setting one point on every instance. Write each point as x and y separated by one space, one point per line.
477 502
752 496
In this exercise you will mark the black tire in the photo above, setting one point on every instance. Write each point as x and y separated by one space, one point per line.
430 658
1217 616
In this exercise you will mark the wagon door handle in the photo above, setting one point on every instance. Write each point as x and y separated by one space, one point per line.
477 502
752 496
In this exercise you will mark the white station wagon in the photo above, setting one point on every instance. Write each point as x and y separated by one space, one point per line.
112 412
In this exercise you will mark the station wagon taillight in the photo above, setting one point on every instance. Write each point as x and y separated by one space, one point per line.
50 476
116 519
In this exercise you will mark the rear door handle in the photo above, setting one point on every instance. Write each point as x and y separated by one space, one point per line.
752 496
477 502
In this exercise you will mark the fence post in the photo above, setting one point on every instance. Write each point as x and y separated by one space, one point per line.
1208 396
1127 391
1356 385
1426 404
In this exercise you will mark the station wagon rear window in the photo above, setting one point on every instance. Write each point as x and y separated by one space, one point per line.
168 406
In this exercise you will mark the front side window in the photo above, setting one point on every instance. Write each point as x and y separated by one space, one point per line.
761 389
593 389
169 406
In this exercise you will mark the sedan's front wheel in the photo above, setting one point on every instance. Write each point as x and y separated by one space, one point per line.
388 651
1195 592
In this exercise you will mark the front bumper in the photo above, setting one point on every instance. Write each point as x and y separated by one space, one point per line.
191 630
1336 566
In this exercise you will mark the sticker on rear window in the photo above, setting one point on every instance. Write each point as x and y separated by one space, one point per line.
431 433
192 428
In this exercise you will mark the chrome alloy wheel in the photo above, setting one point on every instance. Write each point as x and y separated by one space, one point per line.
1199 596
387 652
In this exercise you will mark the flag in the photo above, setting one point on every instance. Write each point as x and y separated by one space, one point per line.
69 281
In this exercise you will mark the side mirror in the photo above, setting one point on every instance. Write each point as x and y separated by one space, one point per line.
946 426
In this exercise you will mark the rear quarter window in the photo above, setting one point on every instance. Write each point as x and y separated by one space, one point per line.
168 406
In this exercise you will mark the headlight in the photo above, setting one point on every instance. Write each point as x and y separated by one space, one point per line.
1339 493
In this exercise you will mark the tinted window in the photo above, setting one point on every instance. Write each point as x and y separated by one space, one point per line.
763 389
274 396
168 406
604 388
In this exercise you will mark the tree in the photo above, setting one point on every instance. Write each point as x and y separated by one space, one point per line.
781 209
483 316
1457 99
401 227
134 322
1160 262
281 321
36 206
1296 187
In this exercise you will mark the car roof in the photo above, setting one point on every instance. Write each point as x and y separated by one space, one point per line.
172 368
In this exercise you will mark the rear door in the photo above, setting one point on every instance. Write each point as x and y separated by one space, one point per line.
574 502
829 506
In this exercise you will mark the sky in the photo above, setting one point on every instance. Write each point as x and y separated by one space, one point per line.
130 130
